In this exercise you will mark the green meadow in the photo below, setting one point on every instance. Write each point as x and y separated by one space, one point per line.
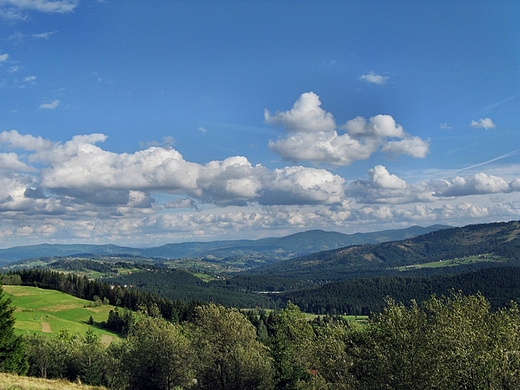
486 258
43 311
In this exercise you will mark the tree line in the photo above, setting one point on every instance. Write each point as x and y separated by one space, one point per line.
448 342
82 287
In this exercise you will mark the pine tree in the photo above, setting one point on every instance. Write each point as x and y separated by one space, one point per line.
12 356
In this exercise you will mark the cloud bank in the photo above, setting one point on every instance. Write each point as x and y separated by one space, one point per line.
76 190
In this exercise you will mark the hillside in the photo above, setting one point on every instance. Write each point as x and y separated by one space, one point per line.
483 245
11 381
500 285
279 248
50 311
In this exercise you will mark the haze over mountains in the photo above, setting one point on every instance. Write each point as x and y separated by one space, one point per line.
294 245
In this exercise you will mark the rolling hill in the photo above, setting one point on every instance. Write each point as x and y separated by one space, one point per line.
485 244
297 244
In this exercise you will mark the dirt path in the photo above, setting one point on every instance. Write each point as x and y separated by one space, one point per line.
46 327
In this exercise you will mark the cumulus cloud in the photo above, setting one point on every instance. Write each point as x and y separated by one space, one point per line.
485 123
312 135
10 162
479 183
380 177
374 78
76 190
50 106
29 79
80 169
414 146
299 185
384 187
306 116
15 140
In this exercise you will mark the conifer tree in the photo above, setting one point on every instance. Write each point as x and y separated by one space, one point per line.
12 356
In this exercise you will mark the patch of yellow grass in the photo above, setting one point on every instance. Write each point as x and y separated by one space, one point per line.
57 308
46 327
15 382
106 339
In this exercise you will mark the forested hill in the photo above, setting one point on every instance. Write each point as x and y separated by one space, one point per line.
497 243
277 247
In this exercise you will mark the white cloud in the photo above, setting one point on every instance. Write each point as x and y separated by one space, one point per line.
444 126
373 78
28 79
485 123
413 146
299 185
15 140
313 135
479 183
44 35
306 116
383 187
90 194
381 178
50 106
59 6
4 57
10 162
185 203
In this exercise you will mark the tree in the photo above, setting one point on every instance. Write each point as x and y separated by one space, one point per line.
452 342
230 356
12 352
292 348
92 359
157 355
332 357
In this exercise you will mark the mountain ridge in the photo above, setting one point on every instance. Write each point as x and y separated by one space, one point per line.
296 244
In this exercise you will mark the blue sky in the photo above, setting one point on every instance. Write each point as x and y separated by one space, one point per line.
145 122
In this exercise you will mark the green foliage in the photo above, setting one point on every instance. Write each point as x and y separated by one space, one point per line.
365 296
12 357
454 342
229 355
68 355
156 355
291 346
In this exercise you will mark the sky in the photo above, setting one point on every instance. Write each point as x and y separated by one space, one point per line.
141 123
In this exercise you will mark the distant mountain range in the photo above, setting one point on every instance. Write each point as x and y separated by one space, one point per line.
294 245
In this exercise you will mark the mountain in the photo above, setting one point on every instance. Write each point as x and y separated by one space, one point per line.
466 247
297 244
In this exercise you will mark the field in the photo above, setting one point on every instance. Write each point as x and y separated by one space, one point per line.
454 262
49 311
14 382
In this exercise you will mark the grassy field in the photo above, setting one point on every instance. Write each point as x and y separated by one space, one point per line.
454 262
14 382
49 311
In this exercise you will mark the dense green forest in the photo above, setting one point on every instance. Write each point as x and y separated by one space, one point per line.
447 342
442 314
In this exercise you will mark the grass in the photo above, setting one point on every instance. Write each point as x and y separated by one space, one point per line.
15 382
43 311
454 262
